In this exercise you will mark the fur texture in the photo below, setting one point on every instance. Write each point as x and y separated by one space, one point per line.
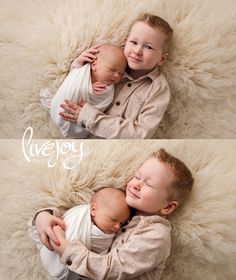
39 39
204 240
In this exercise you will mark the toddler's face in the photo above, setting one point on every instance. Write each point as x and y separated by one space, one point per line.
148 190
110 218
143 49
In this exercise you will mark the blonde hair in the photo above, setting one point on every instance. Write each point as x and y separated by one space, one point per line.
183 182
158 23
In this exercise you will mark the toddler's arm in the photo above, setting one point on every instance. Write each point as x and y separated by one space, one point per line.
85 57
45 222
111 126
143 252
63 243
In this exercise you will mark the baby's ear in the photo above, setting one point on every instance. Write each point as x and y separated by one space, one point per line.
93 209
94 65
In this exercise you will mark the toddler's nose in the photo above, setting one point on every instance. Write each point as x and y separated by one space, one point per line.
138 184
138 50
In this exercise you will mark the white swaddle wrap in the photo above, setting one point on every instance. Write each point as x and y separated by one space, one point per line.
77 85
78 226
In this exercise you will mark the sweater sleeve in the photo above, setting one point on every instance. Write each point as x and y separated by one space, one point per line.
52 210
111 126
142 252
75 64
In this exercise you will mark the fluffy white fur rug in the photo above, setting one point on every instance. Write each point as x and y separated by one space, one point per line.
204 240
39 39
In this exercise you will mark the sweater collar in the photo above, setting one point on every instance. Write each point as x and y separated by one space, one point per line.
152 75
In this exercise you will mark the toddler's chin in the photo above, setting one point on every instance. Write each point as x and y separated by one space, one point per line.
130 202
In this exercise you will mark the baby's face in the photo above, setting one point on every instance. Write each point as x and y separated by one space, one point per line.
110 218
110 69
110 73
148 191
144 47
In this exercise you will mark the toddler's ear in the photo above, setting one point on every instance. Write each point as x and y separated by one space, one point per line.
169 208
122 45
163 59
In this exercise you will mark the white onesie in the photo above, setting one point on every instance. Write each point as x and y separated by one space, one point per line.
77 85
78 226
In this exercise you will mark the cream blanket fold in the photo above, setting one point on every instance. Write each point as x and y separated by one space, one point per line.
77 85
78 226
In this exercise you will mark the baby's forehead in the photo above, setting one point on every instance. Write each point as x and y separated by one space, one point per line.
109 195
110 52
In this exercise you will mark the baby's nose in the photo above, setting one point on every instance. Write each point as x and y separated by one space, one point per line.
116 75
117 226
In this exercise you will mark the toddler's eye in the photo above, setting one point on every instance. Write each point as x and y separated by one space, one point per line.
136 177
149 185
149 47
133 42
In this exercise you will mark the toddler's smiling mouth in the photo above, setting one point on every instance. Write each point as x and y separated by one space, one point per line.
133 194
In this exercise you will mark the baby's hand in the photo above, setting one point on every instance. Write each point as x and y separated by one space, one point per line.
88 55
98 87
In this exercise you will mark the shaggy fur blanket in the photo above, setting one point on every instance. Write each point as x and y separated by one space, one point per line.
203 236
39 39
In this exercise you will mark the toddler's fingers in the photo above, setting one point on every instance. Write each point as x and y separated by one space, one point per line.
53 237
71 106
66 118
89 56
97 46
46 242
81 102
95 49
59 222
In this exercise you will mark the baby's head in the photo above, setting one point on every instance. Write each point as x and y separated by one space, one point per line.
109 65
148 43
160 185
109 209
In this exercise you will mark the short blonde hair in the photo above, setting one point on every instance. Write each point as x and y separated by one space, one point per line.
183 183
159 23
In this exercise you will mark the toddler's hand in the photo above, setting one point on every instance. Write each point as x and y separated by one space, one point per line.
44 224
88 55
98 87
60 233
72 110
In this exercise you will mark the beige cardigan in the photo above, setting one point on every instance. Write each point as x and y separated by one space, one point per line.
135 112
140 252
